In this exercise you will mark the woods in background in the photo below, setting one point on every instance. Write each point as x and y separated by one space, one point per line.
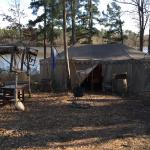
82 19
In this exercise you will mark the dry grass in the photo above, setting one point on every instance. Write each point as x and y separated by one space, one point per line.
50 122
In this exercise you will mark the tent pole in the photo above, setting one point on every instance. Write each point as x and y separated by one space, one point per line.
16 91
52 73
29 80
92 78
29 73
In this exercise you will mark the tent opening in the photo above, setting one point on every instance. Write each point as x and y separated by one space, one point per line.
94 80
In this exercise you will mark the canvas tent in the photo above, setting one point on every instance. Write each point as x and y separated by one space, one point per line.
96 65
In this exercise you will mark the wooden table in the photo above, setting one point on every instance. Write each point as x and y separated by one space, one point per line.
8 92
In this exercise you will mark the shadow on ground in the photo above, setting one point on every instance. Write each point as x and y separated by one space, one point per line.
52 122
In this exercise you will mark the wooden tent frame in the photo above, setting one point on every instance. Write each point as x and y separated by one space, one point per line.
27 57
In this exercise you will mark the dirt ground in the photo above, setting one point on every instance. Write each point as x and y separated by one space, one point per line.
96 122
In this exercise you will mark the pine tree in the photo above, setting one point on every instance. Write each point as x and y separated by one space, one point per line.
88 16
50 17
73 20
112 20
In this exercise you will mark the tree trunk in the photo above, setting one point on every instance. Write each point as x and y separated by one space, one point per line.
52 44
73 9
65 46
149 41
44 42
20 32
141 39
121 32
90 22
142 7
52 27
141 21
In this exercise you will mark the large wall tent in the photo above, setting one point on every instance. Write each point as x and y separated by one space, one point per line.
95 67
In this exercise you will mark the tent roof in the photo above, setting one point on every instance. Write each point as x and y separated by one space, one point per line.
7 49
104 52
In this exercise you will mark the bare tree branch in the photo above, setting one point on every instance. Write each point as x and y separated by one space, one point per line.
128 3
142 9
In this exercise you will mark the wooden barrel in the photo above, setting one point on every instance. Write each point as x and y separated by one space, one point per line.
120 86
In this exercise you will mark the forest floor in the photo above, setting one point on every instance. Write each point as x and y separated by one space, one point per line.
94 122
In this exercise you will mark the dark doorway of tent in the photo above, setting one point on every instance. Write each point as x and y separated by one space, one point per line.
94 80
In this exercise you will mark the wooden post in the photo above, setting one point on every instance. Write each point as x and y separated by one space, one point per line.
22 60
29 82
11 61
92 82
52 71
28 72
16 91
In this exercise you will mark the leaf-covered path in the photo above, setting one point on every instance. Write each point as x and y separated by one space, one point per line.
51 122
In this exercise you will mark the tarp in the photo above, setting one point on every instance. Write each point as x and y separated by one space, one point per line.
83 74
